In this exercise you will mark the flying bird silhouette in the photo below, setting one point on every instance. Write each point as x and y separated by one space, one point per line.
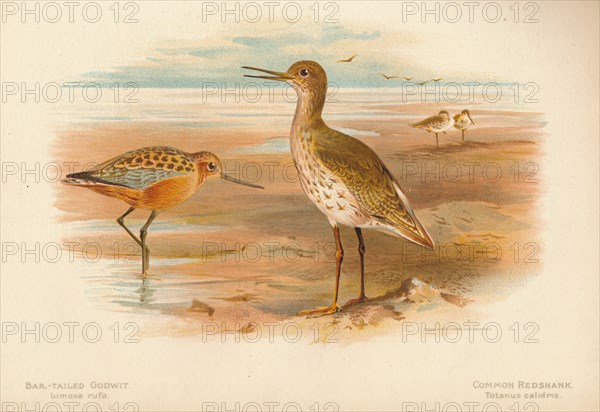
408 79
348 60
389 77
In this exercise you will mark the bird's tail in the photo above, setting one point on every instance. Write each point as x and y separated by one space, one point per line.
78 179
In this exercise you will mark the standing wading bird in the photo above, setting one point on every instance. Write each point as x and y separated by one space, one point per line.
155 178
463 121
436 124
341 175
348 60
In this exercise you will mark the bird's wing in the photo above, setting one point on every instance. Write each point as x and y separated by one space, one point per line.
367 178
456 117
430 121
141 168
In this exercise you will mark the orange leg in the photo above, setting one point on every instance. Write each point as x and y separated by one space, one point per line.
339 254
361 250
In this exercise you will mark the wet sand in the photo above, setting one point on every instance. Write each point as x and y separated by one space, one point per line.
236 255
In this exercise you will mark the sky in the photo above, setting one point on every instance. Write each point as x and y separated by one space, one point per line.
174 47
220 59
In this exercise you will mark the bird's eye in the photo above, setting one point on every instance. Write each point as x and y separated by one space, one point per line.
304 72
212 166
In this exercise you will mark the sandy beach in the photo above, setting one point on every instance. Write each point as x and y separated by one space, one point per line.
237 255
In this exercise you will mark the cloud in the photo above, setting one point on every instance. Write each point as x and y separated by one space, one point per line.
218 59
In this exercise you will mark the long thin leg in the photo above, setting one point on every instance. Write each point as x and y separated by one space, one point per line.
145 250
339 255
361 251
463 135
121 223
437 143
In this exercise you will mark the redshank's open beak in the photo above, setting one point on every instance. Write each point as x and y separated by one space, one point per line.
240 182
279 76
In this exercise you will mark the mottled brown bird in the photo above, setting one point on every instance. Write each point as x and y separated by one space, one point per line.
155 178
463 121
436 124
341 175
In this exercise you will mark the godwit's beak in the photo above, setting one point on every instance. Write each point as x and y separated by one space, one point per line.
471 119
239 182
279 76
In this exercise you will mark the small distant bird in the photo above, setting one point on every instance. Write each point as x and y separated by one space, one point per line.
389 77
436 124
408 79
342 176
423 83
437 79
348 60
155 178
463 121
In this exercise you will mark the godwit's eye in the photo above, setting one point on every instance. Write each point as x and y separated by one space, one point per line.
212 166
304 72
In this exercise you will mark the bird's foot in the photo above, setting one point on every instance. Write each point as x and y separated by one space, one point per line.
315 313
360 299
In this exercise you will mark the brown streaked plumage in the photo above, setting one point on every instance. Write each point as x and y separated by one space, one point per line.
436 124
341 175
155 178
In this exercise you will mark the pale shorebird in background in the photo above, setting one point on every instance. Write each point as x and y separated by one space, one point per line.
342 176
436 124
348 60
155 178
463 121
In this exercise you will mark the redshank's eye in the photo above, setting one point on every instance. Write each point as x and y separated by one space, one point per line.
212 166
304 72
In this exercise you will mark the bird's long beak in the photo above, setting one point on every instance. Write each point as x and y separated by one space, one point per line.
279 76
240 182
470 118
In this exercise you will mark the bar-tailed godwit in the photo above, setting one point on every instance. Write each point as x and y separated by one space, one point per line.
155 178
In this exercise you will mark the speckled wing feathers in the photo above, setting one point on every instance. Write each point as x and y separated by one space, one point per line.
361 170
435 122
141 168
